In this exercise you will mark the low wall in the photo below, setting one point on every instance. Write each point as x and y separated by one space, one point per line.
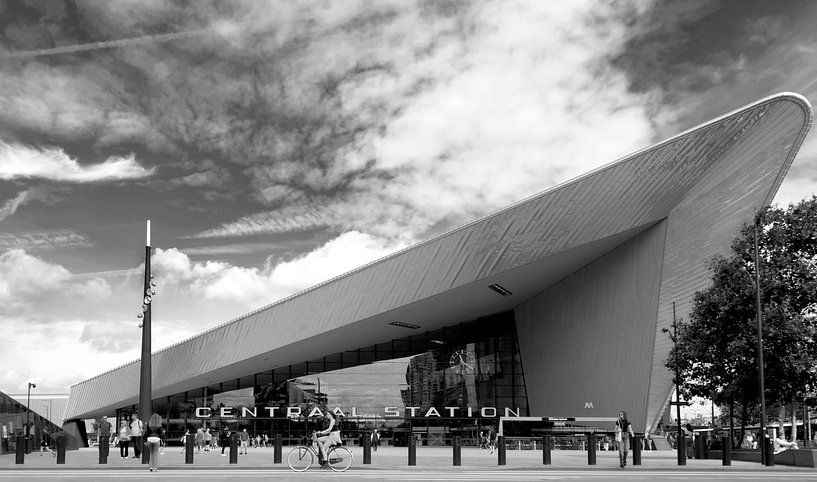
798 458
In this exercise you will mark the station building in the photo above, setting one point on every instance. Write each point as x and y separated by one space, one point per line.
551 308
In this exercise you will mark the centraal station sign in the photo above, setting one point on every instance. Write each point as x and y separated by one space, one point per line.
388 412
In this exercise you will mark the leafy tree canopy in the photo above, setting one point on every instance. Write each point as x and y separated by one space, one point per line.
717 345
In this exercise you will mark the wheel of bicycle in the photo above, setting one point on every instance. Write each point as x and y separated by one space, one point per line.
340 458
300 458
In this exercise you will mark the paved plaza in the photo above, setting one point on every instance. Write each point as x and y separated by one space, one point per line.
394 458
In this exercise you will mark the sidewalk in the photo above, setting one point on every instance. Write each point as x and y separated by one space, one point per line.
394 458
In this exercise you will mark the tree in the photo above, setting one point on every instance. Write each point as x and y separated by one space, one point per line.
717 346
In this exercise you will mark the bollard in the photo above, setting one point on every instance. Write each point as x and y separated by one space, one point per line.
546 444
637 449
61 442
681 447
769 452
455 445
278 443
367 449
234 448
104 445
145 454
700 448
591 449
412 450
500 447
726 450
188 449
20 453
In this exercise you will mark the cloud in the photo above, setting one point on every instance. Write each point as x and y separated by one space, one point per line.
244 248
278 279
26 282
424 116
68 49
398 119
10 207
22 162
47 240
80 348
346 252
288 219
108 337
24 275
213 178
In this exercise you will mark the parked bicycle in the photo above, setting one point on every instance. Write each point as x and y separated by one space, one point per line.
302 457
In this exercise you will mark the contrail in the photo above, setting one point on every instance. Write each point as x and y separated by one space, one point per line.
68 49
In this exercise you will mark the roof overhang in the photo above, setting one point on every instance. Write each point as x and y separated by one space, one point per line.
525 248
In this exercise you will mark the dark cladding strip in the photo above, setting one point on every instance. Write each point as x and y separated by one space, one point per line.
404 325
500 290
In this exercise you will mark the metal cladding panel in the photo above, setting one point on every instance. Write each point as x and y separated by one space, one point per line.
590 337
634 192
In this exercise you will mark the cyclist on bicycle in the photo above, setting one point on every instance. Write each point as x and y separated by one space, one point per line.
329 436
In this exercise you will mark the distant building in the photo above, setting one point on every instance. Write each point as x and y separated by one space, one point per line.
13 419
550 307
49 405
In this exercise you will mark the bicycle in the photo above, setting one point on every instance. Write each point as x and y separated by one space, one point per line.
302 457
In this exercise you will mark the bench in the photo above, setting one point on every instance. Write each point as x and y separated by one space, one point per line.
794 457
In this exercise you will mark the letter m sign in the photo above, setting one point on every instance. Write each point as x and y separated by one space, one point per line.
588 404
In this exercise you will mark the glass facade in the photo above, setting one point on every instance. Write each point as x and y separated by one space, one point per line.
432 385
13 423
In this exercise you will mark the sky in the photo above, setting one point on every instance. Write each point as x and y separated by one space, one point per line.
277 144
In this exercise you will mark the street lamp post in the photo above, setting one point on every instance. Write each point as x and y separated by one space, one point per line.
755 280
763 454
680 447
145 395
28 413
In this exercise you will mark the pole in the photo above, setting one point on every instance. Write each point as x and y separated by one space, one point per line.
145 398
276 456
412 449
760 352
28 413
455 445
681 443
546 456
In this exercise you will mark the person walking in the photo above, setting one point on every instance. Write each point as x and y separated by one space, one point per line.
244 438
136 429
624 432
224 439
491 433
103 434
689 438
208 439
184 439
199 440
124 439
45 444
153 437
